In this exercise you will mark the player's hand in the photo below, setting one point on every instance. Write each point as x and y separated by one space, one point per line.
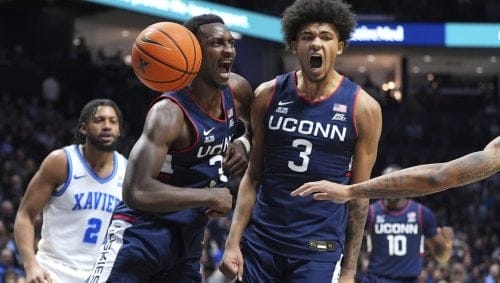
346 279
448 236
37 274
221 202
235 160
231 264
323 190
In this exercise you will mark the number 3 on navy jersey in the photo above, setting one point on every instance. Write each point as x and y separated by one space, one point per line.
305 148
218 159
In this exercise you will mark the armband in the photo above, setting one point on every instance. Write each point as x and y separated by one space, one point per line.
245 142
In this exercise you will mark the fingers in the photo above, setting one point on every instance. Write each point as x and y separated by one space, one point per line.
211 213
305 190
235 166
240 273
229 270
320 196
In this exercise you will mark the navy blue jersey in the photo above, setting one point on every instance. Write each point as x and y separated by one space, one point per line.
396 239
304 141
200 164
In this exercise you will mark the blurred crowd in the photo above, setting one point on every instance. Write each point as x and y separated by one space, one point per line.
40 99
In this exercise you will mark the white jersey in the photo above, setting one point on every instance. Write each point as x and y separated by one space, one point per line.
78 214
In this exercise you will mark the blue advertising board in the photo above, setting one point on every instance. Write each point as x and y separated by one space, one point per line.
366 34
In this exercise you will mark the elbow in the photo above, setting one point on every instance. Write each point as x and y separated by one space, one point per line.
132 197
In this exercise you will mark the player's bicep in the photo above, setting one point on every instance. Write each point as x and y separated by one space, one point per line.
162 127
368 119
258 111
243 96
51 174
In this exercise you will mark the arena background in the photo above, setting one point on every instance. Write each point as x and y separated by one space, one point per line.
438 103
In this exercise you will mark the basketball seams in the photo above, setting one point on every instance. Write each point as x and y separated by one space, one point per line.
166 69
179 48
193 42
181 72
161 62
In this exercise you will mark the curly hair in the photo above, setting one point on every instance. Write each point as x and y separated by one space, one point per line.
88 111
301 12
194 23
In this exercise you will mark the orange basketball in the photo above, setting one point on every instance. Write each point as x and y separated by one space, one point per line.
166 56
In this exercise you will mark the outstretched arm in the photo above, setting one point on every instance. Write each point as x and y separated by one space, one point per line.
415 181
431 178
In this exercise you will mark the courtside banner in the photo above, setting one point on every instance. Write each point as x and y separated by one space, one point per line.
407 34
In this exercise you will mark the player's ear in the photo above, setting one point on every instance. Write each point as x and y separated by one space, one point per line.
293 47
83 129
340 50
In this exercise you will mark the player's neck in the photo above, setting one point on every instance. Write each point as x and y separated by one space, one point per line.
318 90
207 97
100 161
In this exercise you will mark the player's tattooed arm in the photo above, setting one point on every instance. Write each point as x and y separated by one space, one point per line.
358 210
431 178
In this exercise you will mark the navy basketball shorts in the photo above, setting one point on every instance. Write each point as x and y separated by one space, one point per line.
261 265
149 251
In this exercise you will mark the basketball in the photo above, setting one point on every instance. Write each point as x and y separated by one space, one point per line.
166 56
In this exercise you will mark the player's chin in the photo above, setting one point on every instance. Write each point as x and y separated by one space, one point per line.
108 147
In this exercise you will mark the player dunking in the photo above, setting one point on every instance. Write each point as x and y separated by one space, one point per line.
307 125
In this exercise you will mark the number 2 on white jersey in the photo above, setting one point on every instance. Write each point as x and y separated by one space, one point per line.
92 231
304 154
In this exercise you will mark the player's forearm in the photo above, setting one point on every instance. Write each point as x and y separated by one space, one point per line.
443 254
430 178
410 182
242 213
358 210
24 234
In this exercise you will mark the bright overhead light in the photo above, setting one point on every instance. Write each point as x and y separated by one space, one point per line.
125 33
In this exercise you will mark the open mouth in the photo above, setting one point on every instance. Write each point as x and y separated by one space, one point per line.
315 61
225 65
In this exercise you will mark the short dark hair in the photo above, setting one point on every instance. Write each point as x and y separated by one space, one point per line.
194 23
301 12
89 110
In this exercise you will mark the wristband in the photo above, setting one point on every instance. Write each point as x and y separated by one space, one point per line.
245 142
